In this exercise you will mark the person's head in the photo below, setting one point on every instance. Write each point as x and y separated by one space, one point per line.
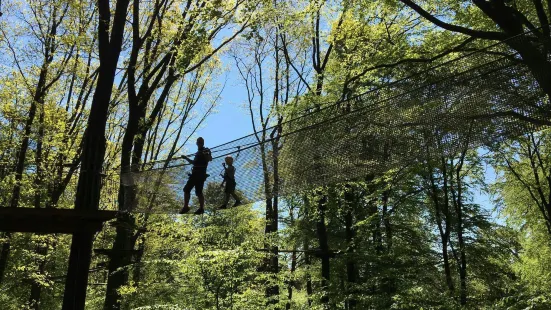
228 160
200 142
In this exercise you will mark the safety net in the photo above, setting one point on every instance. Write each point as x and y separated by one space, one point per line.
473 100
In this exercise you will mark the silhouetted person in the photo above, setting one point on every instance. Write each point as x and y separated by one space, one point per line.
198 176
229 182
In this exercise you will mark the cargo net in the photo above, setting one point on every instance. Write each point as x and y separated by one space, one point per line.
474 100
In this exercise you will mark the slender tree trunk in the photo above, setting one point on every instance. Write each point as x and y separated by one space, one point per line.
121 251
41 251
389 281
446 259
38 99
460 230
350 234
441 207
463 267
307 257
308 264
272 261
119 260
323 240
291 282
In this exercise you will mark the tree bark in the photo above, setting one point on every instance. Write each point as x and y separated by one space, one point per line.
94 147
350 234
460 230
323 240
41 251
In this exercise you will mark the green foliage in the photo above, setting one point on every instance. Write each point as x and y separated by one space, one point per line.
384 230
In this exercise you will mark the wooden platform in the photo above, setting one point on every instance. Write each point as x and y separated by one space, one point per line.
63 221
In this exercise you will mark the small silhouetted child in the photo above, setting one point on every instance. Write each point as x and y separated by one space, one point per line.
229 183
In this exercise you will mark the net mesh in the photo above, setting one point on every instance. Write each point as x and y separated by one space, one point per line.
474 100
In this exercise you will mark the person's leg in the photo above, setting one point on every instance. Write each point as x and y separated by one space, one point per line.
187 197
187 194
199 193
201 198
226 200
234 195
237 201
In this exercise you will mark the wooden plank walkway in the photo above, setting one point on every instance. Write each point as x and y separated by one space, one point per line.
49 221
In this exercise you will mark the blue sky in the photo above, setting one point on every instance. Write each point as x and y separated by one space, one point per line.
231 120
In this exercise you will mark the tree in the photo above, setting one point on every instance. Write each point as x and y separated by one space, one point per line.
110 38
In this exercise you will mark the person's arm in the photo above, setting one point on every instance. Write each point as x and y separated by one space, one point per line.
187 158
224 175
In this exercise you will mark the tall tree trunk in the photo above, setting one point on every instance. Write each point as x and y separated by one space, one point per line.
271 264
389 281
350 234
460 230
274 214
441 206
307 256
446 258
94 147
323 240
41 251
463 259
121 251
119 260
308 263
291 283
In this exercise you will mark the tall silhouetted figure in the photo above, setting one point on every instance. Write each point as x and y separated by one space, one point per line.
197 177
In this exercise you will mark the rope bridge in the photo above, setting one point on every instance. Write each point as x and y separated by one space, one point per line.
477 99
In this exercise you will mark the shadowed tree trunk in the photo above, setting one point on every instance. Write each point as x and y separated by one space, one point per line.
350 234
457 193
323 240
94 146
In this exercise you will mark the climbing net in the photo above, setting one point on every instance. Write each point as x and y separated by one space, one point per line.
477 99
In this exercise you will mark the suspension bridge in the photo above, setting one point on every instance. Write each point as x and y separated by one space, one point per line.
476 99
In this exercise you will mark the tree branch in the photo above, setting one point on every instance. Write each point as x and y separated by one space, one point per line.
487 35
